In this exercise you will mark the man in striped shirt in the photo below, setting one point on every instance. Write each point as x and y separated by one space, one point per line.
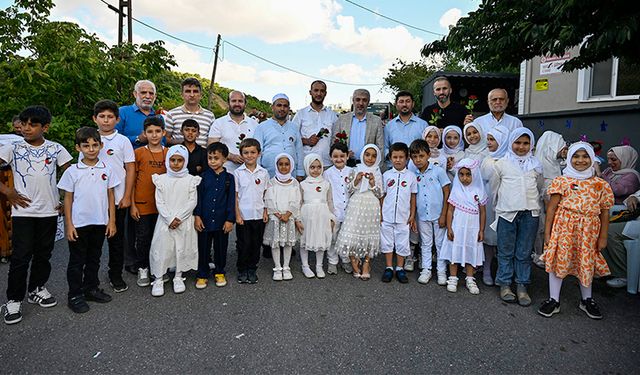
191 94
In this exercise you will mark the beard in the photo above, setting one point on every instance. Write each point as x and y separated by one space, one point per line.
236 111
443 99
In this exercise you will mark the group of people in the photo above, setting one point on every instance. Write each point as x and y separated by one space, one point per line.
165 190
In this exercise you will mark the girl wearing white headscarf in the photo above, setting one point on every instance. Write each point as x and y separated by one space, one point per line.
465 224
621 173
316 216
477 150
436 155
359 236
576 229
282 200
454 152
549 151
175 240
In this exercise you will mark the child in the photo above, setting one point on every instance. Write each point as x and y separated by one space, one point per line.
89 211
282 199
452 147
316 215
398 212
338 177
465 224
576 229
118 154
175 241
433 191
149 161
190 131
35 202
477 149
215 215
251 214
359 237
433 136
517 179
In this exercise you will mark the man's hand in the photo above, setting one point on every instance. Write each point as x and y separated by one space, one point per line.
236 158
468 119
142 137
198 224
17 200
313 140
632 203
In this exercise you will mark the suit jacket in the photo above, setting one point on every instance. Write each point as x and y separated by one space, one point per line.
373 134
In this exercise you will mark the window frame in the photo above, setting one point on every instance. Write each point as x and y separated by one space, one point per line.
584 86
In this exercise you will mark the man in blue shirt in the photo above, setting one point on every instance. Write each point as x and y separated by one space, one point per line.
406 127
132 116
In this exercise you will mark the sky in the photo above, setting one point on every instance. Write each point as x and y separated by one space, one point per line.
327 39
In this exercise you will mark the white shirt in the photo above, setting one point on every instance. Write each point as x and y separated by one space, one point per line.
488 122
398 187
90 186
34 175
339 180
250 187
517 191
311 122
231 134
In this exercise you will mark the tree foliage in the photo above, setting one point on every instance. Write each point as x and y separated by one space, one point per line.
501 33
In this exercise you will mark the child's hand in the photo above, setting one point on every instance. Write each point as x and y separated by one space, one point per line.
442 221
175 223
372 180
480 236
198 224
72 235
17 200
278 215
60 208
239 220
135 214
265 217
413 225
359 176
547 237
111 230
450 234
602 243
449 162
299 226
227 227
285 217
125 202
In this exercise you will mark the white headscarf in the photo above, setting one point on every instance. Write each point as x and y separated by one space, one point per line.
286 176
362 167
308 160
182 151
570 171
628 157
549 144
434 152
468 198
501 135
479 150
527 162
448 150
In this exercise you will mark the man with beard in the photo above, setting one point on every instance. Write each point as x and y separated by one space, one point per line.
406 127
316 124
233 128
132 116
444 112
191 94
498 100
360 127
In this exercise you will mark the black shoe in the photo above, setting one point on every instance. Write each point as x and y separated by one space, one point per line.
387 275
131 269
78 304
401 275
242 277
590 307
118 284
12 312
252 277
97 295
549 307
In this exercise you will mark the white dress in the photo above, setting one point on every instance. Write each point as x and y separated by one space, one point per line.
175 198
280 198
359 235
465 247
316 215
488 171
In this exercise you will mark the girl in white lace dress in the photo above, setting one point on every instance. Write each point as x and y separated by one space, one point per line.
360 233
316 216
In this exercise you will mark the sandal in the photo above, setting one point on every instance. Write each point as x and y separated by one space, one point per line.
355 264
366 275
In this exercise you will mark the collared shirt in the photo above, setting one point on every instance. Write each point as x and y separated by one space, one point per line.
311 122
274 139
131 122
90 187
357 136
516 190
216 199
397 130
339 180
453 114
430 197
250 187
398 187
175 117
488 122
231 134
198 161
117 151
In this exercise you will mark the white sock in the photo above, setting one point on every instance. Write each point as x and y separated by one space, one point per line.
304 257
555 283
275 254
585 291
286 257
319 259
178 275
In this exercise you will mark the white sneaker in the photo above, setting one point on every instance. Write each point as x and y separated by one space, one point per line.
286 274
320 272
409 264
425 276
178 285
158 288
143 277
277 274
452 284
442 278
308 273
472 286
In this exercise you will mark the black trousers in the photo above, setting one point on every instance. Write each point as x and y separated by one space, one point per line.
144 235
129 241
116 244
33 239
84 259
248 243
220 242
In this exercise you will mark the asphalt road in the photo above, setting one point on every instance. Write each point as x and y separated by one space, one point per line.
335 325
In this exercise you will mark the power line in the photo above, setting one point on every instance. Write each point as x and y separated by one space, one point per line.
393 19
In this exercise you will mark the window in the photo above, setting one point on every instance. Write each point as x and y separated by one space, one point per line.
614 79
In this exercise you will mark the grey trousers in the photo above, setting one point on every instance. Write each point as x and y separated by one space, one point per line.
615 253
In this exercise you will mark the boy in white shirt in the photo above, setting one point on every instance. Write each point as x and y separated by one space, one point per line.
398 212
251 214
338 176
35 201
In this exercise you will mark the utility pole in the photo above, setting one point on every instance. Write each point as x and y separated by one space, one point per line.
121 15
213 74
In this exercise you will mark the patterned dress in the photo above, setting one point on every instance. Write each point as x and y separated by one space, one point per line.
573 246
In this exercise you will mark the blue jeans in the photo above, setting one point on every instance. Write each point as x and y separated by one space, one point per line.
515 242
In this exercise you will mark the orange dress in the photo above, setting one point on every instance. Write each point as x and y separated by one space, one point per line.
573 246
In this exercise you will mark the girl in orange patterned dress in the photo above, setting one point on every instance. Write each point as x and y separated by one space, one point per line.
576 229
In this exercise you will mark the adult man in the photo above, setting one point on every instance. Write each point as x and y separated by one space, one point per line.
360 127
277 135
406 127
233 128
191 94
498 100
132 116
444 112
616 253
316 124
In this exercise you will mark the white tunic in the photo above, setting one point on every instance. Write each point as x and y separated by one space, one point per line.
316 215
